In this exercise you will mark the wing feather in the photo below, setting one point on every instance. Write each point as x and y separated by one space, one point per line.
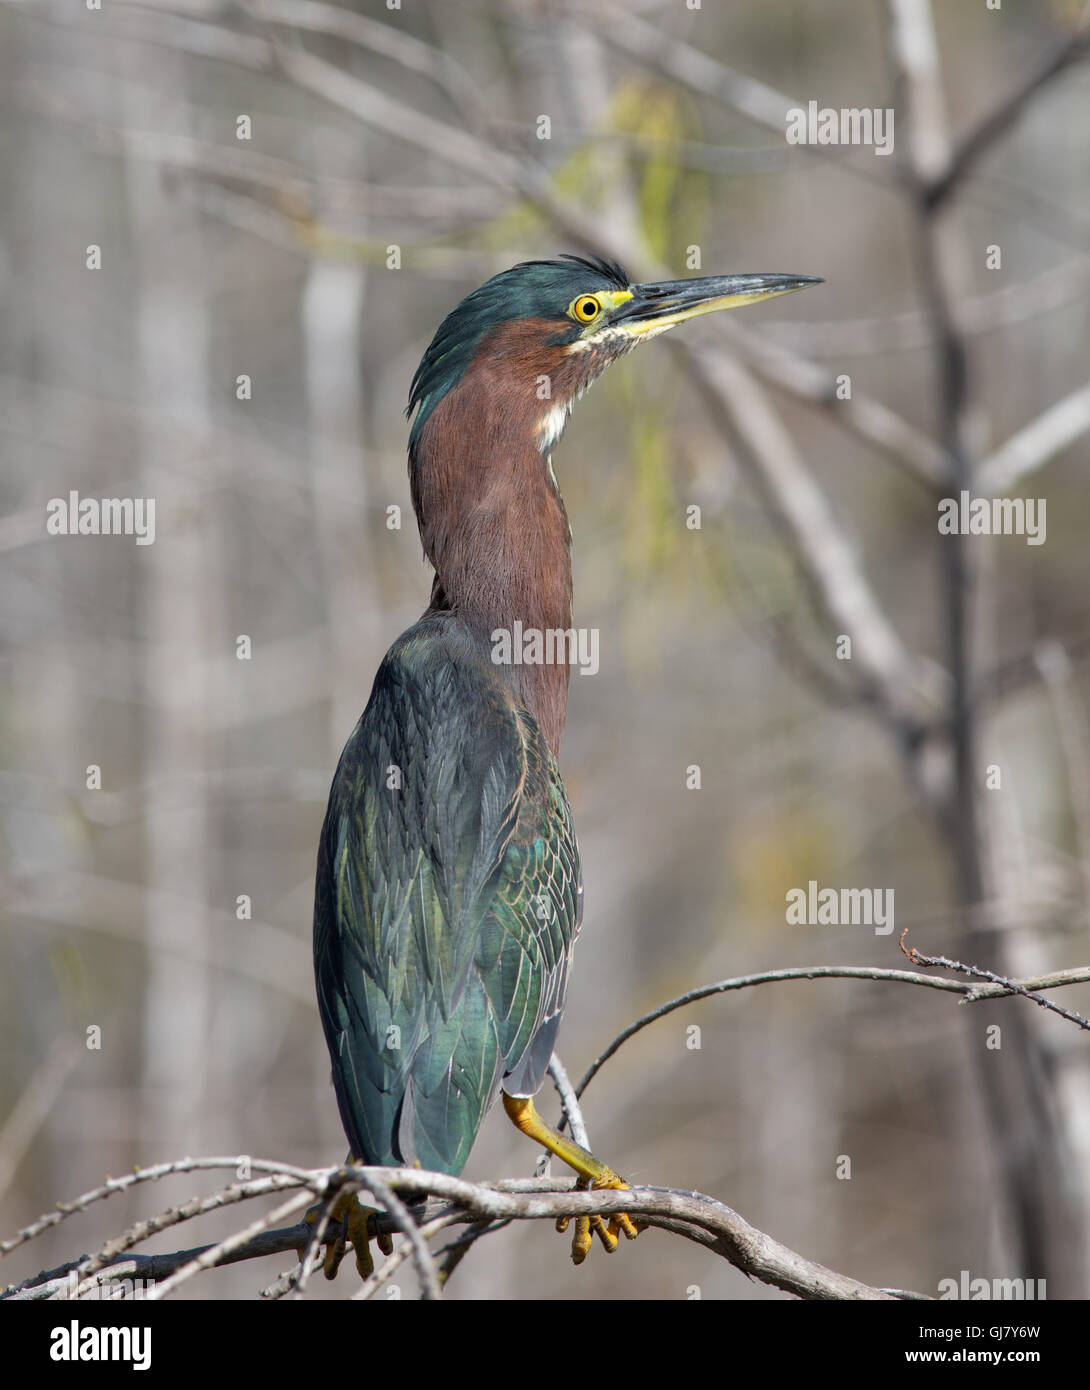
447 902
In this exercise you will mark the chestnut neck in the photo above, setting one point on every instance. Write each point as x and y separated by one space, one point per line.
492 519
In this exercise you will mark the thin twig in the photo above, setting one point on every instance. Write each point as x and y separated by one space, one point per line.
174 1216
1078 975
916 455
208 1258
425 1263
1031 447
397 1258
971 148
113 1186
573 1115
455 1251
387 40
816 538
313 1248
1006 986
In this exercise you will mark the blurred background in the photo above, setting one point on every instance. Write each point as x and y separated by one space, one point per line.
391 158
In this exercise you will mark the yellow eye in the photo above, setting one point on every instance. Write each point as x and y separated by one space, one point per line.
585 308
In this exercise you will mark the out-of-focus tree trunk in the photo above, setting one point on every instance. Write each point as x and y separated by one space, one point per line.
178 595
331 312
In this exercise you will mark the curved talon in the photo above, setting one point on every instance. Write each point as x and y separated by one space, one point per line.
619 1222
592 1225
348 1224
606 1234
336 1249
623 1223
357 1220
581 1242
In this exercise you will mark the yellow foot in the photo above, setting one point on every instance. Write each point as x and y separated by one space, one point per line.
594 1176
348 1224
620 1223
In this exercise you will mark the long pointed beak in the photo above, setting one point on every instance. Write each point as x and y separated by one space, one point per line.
656 307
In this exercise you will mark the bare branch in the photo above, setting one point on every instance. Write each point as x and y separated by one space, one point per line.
692 1215
90 1265
455 1251
396 1208
914 453
698 71
296 1283
970 993
112 1186
970 149
1007 986
210 1257
569 1101
817 540
384 39
1034 444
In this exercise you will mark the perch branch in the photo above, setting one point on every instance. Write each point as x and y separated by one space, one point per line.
693 1215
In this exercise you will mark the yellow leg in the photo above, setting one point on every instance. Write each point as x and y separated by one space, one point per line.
593 1174
348 1224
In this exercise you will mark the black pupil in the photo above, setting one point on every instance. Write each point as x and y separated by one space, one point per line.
588 307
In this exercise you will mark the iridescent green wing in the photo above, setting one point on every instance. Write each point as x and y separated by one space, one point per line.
445 903
526 947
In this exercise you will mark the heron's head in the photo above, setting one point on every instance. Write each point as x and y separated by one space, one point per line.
534 337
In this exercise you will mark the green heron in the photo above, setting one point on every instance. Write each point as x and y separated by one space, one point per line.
449 893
